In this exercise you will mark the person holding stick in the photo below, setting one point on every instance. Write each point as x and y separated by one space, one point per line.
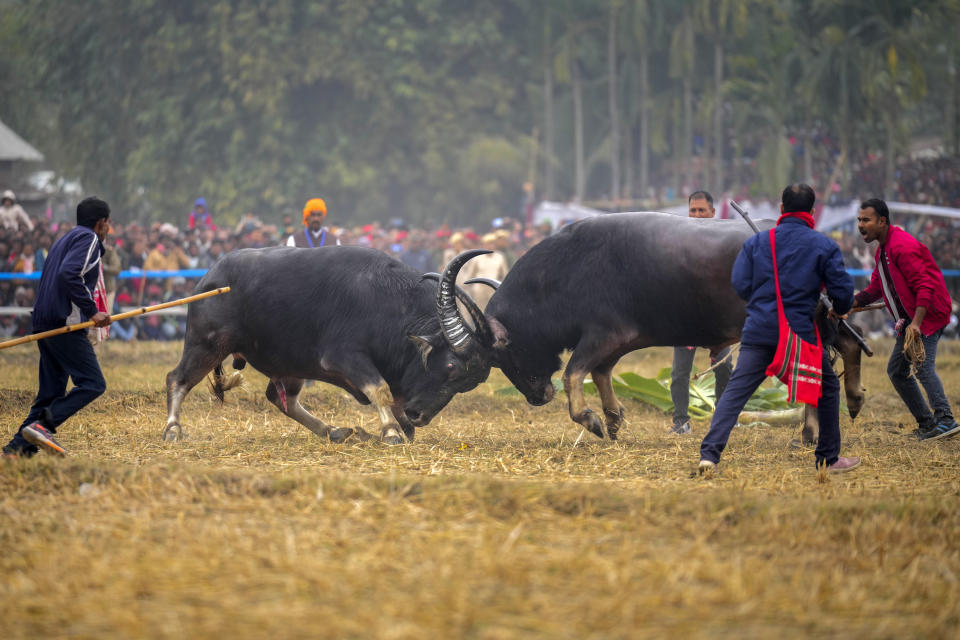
786 282
914 290
64 297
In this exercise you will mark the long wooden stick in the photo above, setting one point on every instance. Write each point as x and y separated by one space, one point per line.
869 307
120 316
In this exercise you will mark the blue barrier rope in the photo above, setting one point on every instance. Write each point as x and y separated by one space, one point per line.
124 275
199 273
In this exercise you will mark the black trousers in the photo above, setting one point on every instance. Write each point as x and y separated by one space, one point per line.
63 357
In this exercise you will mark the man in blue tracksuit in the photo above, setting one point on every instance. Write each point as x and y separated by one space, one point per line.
65 296
806 260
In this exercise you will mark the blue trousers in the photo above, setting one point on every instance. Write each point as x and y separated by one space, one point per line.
898 368
67 356
749 373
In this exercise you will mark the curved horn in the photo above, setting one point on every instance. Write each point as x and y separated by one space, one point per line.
483 330
490 282
455 330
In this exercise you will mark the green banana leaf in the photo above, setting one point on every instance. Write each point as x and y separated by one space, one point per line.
656 392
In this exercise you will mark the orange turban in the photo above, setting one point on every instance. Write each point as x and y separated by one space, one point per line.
314 204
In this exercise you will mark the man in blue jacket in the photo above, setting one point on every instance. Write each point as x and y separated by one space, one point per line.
65 296
806 260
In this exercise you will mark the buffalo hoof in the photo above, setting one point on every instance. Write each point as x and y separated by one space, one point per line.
173 432
392 440
339 435
614 419
590 421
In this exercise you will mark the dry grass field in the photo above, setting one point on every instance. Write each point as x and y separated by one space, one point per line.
491 525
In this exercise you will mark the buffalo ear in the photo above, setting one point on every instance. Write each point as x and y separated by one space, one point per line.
500 339
424 345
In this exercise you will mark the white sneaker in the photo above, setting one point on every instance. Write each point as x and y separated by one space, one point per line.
706 468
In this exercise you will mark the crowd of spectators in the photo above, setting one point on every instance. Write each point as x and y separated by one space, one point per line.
934 181
137 248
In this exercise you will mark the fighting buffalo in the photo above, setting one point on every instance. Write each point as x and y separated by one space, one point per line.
609 285
349 316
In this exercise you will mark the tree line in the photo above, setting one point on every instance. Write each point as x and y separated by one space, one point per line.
437 110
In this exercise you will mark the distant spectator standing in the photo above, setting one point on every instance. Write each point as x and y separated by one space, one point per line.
248 223
200 217
914 290
65 296
112 266
26 261
416 254
699 205
490 265
167 256
40 255
12 215
504 246
314 234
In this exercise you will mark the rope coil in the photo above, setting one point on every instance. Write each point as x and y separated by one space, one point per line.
914 351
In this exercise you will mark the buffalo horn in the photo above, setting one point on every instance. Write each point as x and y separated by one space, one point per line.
479 319
455 330
490 282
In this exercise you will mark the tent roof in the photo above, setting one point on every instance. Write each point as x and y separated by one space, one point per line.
13 147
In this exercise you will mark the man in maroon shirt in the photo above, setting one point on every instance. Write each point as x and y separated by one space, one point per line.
913 288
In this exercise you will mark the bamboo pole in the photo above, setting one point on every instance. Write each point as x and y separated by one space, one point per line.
869 307
120 316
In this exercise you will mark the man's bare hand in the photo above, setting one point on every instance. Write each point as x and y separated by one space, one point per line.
101 319
914 328
833 314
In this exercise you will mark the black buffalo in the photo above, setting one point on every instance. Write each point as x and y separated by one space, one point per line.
349 316
609 285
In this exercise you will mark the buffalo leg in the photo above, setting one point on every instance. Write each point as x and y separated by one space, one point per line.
197 361
811 426
390 430
365 377
284 393
573 376
408 431
613 411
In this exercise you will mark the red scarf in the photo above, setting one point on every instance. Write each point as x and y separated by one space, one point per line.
806 216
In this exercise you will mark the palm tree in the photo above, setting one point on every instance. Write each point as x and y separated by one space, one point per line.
682 68
719 21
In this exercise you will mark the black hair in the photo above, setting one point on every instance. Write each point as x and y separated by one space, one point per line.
696 195
798 197
91 210
877 205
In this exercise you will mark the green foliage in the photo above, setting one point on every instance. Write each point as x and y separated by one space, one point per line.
656 392
434 109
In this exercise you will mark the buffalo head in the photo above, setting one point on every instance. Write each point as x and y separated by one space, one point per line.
455 359
529 369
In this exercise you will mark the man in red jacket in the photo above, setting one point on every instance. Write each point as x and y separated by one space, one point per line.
913 288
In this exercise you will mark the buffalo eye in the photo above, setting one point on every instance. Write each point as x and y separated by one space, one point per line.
450 366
